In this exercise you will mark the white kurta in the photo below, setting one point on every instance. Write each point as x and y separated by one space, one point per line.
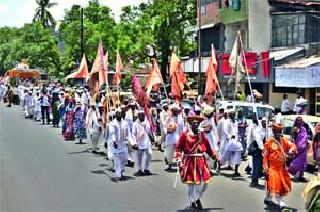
171 139
213 134
141 132
118 133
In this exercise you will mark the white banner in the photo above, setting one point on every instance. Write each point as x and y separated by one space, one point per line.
298 77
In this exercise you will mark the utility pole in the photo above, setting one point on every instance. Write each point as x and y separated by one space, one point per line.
199 47
81 32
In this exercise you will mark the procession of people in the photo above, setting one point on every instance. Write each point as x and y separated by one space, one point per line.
199 141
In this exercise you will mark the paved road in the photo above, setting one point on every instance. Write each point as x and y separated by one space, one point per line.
40 172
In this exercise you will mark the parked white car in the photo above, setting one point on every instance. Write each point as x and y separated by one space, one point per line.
248 108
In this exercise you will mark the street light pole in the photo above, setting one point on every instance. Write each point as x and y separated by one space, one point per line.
199 47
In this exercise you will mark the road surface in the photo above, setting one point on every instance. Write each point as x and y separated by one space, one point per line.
40 172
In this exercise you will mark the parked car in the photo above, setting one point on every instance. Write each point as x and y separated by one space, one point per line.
310 122
248 108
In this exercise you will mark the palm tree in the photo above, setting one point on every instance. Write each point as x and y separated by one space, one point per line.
43 14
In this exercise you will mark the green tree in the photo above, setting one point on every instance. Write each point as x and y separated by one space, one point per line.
33 44
43 14
98 22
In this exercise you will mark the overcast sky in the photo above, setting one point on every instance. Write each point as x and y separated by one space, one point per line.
18 12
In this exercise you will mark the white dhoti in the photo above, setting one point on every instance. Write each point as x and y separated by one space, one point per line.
37 115
129 152
224 156
95 140
169 152
140 153
119 160
195 191
234 149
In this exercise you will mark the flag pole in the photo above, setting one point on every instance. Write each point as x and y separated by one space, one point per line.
245 65
212 50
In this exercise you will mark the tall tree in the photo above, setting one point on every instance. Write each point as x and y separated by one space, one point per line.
43 14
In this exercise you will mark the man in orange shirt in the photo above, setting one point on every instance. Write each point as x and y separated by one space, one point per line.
276 151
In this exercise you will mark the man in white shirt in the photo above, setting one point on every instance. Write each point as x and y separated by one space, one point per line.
174 126
300 105
285 105
94 124
29 105
141 133
210 129
117 146
233 147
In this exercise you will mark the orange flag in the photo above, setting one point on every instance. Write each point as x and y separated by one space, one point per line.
177 75
174 64
82 72
103 71
154 78
182 78
94 77
211 76
119 67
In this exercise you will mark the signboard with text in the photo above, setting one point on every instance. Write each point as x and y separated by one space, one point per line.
298 77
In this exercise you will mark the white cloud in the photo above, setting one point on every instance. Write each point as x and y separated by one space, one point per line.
4 9
26 10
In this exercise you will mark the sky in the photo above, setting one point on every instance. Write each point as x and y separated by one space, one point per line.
18 12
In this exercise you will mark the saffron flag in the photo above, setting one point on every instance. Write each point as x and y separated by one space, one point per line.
211 77
102 68
235 62
82 72
154 78
119 67
94 77
177 75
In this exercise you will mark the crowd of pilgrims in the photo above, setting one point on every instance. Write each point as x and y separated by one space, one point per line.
129 135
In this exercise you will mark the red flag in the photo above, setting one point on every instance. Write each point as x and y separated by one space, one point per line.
154 78
211 77
119 67
142 99
82 72
265 56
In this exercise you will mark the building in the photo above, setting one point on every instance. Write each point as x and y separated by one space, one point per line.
295 47
220 22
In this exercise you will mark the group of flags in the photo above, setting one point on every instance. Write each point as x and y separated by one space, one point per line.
99 72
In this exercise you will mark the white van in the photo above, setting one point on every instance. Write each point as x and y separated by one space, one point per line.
248 108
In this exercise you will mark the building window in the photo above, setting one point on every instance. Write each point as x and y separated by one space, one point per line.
288 29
